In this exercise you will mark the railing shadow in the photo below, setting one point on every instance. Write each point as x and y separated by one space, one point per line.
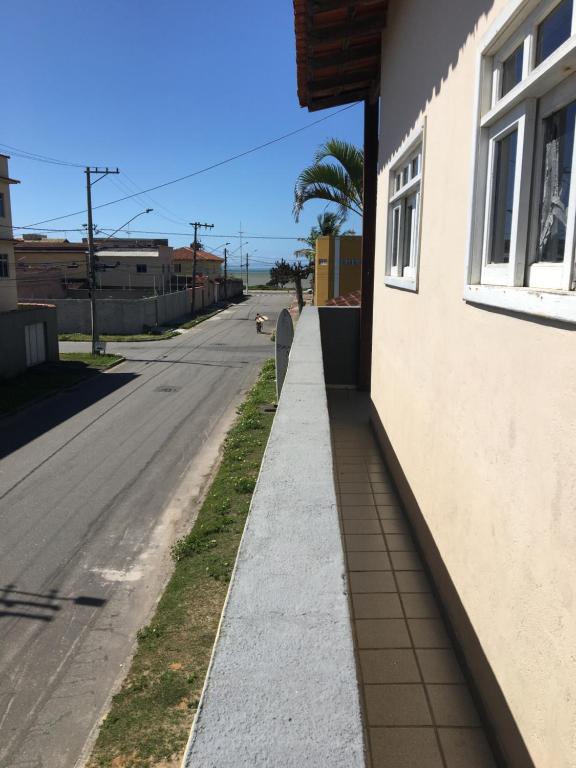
19 604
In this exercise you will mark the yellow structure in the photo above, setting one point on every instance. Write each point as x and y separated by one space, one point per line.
337 268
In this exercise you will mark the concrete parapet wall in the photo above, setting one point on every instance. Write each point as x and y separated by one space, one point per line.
340 329
282 688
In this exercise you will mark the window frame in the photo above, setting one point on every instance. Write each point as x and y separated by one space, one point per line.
2 205
398 272
518 21
4 260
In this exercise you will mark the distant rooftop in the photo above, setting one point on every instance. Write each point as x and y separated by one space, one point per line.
187 254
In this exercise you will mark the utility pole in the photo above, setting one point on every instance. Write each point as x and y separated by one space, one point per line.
240 233
225 273
196 225
91 251
247 283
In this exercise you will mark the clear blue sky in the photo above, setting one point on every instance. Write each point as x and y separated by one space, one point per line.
161 89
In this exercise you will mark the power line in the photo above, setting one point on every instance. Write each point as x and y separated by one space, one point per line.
153 232
24 154
202 170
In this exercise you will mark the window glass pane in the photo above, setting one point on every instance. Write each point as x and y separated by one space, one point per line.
558 141
395 235
554 30
512 70
2 214
503 198
410 224
3 265
405 176
416 166
398 182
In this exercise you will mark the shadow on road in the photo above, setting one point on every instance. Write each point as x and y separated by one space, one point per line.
15 603
22 427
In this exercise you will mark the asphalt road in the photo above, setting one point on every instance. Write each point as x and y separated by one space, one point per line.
95 484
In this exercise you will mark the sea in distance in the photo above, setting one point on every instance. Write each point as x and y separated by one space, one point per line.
260 277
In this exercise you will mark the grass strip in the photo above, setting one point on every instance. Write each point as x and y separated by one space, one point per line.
49 378
150 718
118 337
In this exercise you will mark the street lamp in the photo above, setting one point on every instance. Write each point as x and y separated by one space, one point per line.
95 345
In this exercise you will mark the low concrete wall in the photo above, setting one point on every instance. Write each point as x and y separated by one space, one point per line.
12 337
340 329
122 315
133 315
282 687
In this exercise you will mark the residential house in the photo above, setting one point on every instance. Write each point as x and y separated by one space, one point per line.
458 519
207 264
28 333
337 267
138 267
38 252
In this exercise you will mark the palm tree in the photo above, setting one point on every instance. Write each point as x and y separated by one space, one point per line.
339 183
328 223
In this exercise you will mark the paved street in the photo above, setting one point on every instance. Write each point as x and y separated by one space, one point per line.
95 484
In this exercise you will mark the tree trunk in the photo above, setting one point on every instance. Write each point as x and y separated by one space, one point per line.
299 297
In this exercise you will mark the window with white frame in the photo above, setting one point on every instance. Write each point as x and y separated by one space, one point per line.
404 206
523 217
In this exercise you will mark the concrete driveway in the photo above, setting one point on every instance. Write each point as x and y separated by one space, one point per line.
95 485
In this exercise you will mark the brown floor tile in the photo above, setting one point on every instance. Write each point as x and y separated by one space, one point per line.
395 526
355 488
404 748
350 475
429 633
361 526
372 581
421 606
466 748
399 542
439 666
382 633
378 474
385 498
357 499
412 581
405 561
396 705
364 543
358 513
385 605
389 665
380 486
452 705
368 561
390 512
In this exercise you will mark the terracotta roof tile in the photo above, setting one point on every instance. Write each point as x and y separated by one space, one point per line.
187 254
353 299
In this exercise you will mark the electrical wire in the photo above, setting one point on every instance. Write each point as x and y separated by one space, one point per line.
211 167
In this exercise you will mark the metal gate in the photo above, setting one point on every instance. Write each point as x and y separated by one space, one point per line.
35 344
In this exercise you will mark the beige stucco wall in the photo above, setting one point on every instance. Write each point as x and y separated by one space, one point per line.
479 405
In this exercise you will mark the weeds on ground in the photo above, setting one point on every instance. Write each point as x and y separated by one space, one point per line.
150 718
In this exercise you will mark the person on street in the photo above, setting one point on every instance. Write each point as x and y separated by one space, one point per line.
259 322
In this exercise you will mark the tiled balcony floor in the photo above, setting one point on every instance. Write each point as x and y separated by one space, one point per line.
417 707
